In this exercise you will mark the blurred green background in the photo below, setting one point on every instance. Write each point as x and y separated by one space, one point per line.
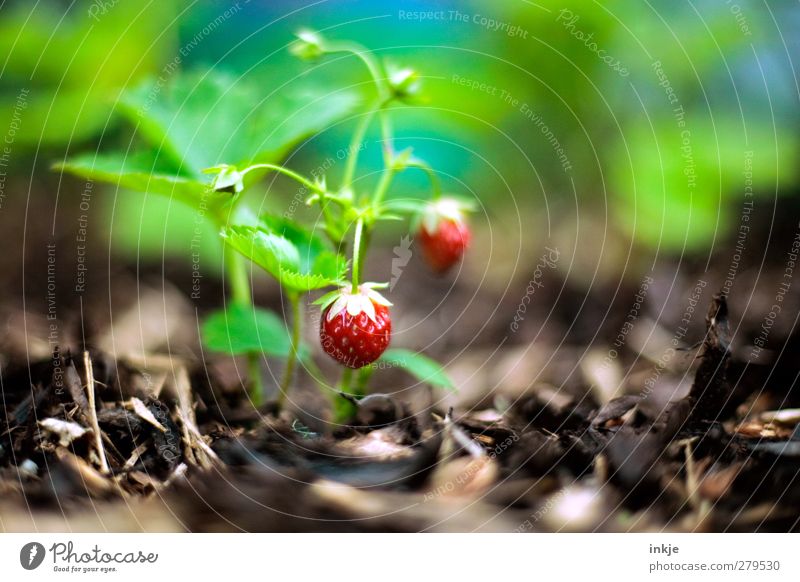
632 127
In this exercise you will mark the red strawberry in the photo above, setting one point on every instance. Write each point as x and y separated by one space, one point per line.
444 234
356 327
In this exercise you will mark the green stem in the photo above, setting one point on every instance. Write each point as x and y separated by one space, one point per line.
236 273
436 185
297 323
383 186
366 57
357 254
364 375
286 172
386 136
355 147
342 407
347 378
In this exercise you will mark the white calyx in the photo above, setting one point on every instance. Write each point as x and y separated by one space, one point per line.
444 208
355 303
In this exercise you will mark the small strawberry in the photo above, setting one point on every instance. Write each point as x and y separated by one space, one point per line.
444 233
356 327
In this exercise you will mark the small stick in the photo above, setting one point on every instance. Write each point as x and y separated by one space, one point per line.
98 436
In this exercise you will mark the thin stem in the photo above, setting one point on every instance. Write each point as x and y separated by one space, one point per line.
297 323
383 186
384 97
386 136
364 375
347 378
355 146
357 254
286 172
342 407
432 176
236 273
366 57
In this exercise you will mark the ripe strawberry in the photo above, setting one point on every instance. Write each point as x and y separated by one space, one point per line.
356 327
444 234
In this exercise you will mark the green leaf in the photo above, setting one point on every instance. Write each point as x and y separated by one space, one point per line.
680 186
243 329
421 367
74 59
309 245
300 261
203 119
151 228
142 172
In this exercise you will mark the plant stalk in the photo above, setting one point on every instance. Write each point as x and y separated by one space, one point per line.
355 147
436 184
287 172
383 186
236 273
297 324
364 374
368 60
357 253
343 408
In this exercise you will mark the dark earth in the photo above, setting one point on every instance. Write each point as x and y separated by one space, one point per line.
576 422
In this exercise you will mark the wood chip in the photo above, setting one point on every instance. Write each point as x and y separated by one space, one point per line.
716 482
789 417
96 484
144 413
135 455
98 435
196 450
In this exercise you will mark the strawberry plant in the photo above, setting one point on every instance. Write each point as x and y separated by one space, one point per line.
355 320
181 129
213 172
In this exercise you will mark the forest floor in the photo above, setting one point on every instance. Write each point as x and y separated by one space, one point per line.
644 407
